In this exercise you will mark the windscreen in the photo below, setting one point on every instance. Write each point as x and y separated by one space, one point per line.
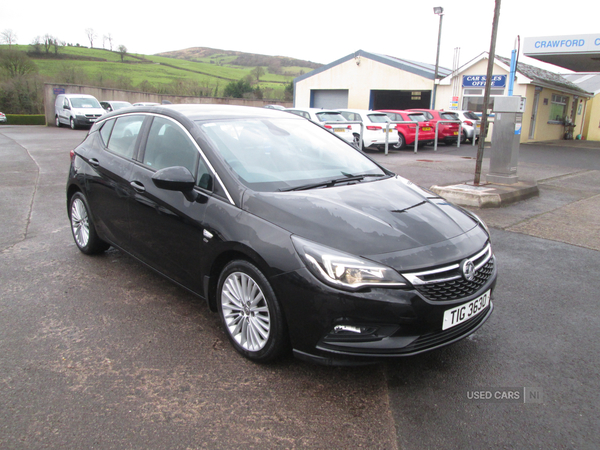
85 102
417 117
330 117
378 118
471 115
279 154
449 116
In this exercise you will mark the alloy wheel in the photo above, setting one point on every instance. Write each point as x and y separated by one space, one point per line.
245 311
80 223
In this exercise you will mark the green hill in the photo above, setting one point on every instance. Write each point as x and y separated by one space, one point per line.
196 71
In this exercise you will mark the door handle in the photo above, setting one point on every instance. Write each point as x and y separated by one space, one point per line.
137 186
94 162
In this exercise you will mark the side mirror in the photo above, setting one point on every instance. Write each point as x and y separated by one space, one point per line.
176 178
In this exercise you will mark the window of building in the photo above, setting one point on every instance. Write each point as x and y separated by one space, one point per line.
473 98
558 108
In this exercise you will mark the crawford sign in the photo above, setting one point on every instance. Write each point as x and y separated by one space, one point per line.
480 81
578 43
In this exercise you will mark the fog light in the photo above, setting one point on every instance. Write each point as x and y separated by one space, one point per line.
359 332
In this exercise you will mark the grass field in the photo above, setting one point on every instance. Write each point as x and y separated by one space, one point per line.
97 66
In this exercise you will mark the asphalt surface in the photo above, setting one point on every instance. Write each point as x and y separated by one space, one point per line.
100 352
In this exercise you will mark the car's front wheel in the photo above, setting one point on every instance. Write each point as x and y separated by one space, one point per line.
82 226
57 121
250 312
72 122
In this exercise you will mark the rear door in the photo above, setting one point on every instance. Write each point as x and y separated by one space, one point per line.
107 184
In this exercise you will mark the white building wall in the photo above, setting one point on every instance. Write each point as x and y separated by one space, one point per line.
360 80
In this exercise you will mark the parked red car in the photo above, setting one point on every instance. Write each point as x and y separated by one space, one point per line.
408 132
447 132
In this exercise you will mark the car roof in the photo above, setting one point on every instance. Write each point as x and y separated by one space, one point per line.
194 111
314 110
362 111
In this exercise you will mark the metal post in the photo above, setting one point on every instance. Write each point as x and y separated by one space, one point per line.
440 11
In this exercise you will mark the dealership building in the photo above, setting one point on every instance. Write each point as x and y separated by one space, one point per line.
555 106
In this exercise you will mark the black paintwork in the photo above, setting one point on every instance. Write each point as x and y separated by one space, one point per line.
189 239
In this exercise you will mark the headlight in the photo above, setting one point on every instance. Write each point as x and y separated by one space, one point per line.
343 270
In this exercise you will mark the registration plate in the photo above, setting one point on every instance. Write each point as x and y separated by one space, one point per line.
461 313
456 133
426 128
339 130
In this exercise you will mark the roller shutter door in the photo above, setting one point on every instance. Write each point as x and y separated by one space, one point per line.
329 98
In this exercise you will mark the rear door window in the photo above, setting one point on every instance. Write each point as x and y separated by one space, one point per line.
124 135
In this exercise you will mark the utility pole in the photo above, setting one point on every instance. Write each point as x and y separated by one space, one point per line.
486 98
440 12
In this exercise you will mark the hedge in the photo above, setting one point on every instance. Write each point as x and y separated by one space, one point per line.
25 119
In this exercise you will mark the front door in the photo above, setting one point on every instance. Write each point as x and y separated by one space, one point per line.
534 111
166 228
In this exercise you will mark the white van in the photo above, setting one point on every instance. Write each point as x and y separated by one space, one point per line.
77 110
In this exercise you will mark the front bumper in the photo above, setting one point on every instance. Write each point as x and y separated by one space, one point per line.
85 120
374 324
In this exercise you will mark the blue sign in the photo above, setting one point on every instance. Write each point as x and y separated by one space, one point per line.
479 81
58 91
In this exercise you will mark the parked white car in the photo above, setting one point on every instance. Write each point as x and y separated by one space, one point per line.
76 110
471 123
374 127
323 117
112 105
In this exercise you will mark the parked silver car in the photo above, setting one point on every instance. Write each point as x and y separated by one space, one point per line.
471 123
324 117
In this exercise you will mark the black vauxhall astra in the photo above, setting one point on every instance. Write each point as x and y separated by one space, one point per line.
295 237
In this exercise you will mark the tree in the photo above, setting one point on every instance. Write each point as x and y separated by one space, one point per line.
36 45
48 42
16 63
122 51
91 36
258 72
237 89
289 91
8 37
108 37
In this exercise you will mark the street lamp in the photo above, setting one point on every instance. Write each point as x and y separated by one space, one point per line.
440 12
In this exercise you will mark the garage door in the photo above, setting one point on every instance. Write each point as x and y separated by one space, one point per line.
391 99
329 98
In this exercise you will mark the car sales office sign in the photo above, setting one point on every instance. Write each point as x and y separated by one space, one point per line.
498 81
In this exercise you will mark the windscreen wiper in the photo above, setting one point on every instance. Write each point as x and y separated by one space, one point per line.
331 183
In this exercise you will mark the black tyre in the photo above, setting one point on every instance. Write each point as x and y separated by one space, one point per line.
463 137
250 312
57 121
72 122
82 227
401 142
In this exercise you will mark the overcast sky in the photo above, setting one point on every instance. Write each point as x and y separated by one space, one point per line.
320 31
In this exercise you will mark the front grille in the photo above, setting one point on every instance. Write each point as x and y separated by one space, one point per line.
448 283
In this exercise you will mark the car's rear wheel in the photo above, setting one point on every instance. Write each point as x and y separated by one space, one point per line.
401 142
250 312
84 232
